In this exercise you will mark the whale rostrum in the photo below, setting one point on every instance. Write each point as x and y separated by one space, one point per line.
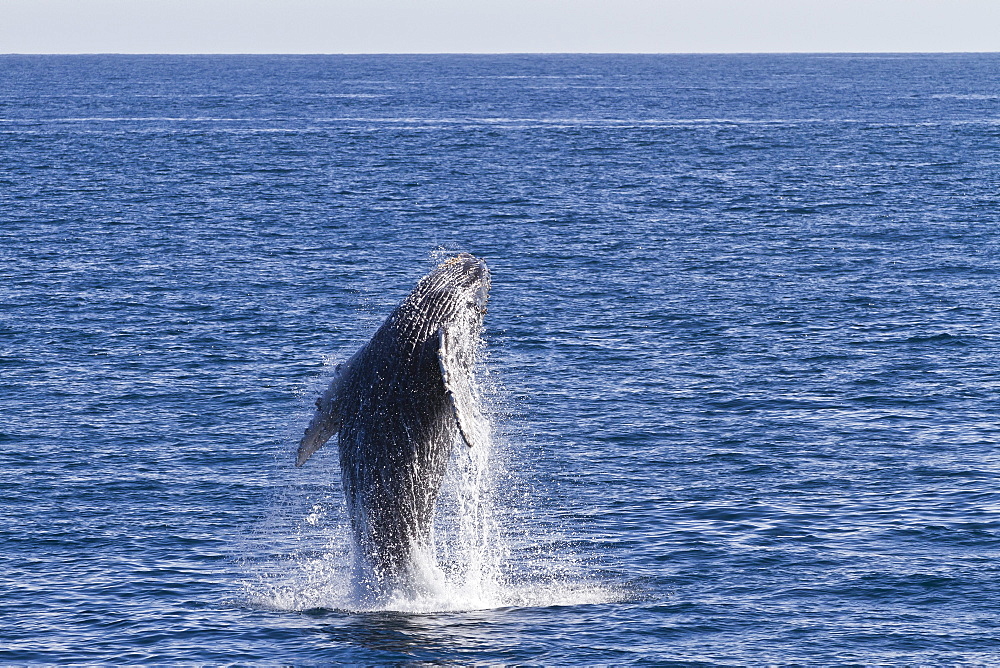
397 407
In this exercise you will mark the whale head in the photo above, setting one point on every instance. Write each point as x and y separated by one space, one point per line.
457 289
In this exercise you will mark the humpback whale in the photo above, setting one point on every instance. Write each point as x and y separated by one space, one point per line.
397 406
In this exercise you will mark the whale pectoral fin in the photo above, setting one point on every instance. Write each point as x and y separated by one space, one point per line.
457 376
326 421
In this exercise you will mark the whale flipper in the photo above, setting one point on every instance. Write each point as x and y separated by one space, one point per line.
456 371
326 421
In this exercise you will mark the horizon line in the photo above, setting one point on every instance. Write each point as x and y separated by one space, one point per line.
494 53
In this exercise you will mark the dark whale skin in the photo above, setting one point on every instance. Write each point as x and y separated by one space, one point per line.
398 405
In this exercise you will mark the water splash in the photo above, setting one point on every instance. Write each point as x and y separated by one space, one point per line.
468 562
474 561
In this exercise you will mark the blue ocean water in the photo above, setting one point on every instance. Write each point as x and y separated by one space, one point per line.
742 350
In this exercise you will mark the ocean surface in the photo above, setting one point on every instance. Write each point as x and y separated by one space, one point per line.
741 354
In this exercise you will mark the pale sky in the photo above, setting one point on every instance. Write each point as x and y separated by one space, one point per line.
497 26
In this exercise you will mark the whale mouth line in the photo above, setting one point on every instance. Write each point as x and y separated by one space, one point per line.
481 297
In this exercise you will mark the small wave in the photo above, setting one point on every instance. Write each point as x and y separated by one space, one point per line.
964 96
943 338
935 338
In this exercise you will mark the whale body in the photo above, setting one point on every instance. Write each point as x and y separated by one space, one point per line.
398 405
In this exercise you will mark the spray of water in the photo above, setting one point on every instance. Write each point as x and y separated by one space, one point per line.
470 561
476 559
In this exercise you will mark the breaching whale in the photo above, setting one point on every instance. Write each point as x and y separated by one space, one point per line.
397 406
